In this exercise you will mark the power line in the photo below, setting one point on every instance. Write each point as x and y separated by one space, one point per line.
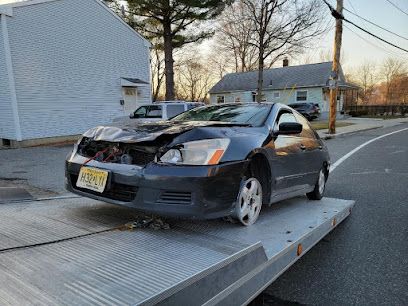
389 31
371 43
352 6
397 7
338 15
382 39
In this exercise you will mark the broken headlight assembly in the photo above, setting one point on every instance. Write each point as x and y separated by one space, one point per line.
199 152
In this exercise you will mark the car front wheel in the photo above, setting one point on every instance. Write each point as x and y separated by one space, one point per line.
249 202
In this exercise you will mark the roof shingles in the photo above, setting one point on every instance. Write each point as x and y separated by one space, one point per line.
310 75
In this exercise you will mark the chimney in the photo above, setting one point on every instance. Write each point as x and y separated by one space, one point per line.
285 62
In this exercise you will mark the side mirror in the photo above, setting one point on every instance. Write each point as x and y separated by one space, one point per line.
132 115
289 128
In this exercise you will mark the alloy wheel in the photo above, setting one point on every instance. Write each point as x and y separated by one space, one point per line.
249 202
322 181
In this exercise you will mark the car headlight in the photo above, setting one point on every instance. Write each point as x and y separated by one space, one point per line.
199 152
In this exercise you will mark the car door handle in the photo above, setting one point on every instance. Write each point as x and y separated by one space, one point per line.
302 147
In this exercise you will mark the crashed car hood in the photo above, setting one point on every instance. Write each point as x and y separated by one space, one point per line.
147 131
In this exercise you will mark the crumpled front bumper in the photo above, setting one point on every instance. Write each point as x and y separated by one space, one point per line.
202 192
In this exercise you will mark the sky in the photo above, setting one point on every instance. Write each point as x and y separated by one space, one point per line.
358 46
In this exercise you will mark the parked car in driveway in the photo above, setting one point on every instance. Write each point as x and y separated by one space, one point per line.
157 111
309 110
209 162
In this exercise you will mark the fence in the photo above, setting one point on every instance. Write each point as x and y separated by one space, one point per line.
377 110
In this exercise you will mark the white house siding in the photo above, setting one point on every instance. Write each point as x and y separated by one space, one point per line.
286 96
68 57
241 96
6 112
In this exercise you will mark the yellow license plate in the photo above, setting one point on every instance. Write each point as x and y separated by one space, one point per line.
92 178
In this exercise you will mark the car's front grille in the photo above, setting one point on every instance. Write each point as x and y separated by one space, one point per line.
175 197
119 192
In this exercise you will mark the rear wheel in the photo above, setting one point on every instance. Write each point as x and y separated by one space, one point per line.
249 202
320 186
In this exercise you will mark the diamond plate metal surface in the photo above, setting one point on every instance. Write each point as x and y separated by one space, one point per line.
131 267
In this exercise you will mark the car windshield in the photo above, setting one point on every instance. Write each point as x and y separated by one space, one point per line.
245 114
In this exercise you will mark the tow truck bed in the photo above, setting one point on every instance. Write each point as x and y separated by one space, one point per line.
192 263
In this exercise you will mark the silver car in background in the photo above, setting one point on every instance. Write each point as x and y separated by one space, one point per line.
157 111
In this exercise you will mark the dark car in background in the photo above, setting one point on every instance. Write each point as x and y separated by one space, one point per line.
309 110
208 162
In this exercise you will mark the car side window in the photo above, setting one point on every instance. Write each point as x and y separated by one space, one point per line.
307 130
155 111
173 110
285 117
140 112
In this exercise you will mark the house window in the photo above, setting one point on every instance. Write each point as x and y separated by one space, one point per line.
301 95
130 91
276 95
253 96
220 99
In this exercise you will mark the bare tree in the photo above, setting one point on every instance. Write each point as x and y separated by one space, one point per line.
157 71
220 62
234 35
325 55
282 27
193 78
401 88
390 70
365 76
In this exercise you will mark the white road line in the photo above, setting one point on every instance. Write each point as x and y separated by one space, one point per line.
342 159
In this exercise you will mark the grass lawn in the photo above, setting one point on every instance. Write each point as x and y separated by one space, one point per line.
321 125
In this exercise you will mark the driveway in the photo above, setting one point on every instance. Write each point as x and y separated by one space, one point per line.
40 170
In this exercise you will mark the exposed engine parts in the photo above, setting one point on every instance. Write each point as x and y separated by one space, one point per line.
120 153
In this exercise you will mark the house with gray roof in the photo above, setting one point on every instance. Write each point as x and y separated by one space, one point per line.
288 84
66 66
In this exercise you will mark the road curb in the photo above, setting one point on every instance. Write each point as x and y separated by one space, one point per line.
328 136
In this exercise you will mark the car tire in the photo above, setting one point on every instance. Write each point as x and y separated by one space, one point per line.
320 186
249 202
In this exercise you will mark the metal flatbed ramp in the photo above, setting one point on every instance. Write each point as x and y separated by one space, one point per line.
193 263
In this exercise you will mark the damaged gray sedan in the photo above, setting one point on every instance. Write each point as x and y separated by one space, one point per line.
209 162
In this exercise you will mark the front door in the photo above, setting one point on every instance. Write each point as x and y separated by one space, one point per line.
286 161
312 158
130 99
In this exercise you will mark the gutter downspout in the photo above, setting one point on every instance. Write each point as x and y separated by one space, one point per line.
10 74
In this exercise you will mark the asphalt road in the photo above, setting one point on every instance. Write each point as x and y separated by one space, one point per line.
364 260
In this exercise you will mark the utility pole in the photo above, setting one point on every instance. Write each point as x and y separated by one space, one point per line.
338 14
